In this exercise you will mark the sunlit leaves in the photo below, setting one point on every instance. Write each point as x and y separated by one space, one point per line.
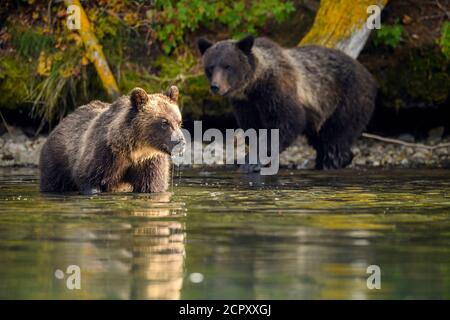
389 35
174 19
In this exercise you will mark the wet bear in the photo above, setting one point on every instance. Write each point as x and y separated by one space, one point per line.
123 146
311 90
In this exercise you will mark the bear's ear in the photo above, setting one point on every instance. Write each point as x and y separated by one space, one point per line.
173 93
203 45
139 98
246 44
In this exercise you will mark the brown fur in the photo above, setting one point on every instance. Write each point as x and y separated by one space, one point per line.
311 90
122 146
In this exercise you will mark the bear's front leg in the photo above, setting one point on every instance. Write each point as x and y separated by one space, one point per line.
247 117
102 173
151 175
284 114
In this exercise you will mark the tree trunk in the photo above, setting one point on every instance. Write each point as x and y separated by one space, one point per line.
341 24
95 52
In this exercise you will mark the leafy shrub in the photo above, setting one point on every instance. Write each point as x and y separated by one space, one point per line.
173 19
388 35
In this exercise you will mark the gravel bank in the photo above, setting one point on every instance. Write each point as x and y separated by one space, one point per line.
19 150
371 153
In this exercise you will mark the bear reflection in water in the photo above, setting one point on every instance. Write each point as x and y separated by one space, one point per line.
138 256
159 254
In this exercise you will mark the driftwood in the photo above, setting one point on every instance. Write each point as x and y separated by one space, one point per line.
405 143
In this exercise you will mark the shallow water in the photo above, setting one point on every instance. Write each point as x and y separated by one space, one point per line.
299 235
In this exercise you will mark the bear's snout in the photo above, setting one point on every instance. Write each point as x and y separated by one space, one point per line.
215 88
178 142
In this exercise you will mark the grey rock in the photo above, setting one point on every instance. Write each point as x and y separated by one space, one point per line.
435 135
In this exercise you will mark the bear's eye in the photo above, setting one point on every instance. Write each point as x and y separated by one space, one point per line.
164 124
208 71
227 67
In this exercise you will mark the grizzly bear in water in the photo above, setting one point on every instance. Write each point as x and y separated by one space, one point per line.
121 146
321 92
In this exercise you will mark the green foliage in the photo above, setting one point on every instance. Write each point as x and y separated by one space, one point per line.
388 35
45 75
61 82
14 82
30 42
174 19
104 25
444 42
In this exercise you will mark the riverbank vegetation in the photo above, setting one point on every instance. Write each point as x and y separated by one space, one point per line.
46 71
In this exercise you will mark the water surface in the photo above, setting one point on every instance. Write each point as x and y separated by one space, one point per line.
221 234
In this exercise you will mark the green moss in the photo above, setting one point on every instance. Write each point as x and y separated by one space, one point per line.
178 63
336 20
15 86
445 39
421 76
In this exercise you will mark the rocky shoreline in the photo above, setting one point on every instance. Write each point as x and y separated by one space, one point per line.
370 153
17 149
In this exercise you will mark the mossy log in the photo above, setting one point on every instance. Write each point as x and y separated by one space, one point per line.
94 52
341 24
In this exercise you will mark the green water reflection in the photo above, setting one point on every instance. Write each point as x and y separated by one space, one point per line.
299 235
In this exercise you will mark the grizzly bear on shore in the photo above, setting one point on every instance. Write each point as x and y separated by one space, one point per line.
320 92
123 146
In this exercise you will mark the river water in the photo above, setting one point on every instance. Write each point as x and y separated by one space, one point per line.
223 235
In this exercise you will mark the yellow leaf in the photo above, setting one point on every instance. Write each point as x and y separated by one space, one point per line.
65 72
75 38
130 18
44 65
84 61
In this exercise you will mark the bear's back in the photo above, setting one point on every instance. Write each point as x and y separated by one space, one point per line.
62 148
326 62
67 137
325 76
75 124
